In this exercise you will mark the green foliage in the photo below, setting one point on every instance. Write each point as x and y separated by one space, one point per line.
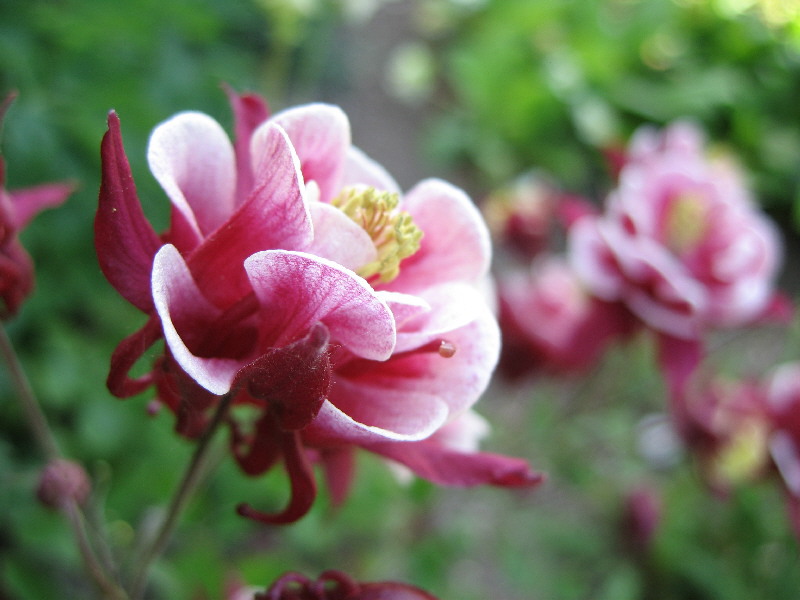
529 84
549 85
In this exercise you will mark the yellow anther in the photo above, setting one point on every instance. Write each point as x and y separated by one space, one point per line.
686 222
392 231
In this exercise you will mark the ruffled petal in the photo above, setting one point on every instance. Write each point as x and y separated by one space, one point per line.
457 380
184 311
124 239
360 169
274 216
297 290
455 244
373 414
338 238
320 134
192 158
451 306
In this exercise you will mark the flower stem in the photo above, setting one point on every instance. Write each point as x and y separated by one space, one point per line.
33 412
179 500
49 447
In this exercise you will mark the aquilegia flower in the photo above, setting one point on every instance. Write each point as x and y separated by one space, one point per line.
298 281
17 208
680 242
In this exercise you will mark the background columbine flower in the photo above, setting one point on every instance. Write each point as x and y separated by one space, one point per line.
296 279
680 241
17 208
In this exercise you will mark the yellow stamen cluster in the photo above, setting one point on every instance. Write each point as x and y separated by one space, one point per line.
686 222
392 231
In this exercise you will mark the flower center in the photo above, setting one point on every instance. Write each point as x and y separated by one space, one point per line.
685 221
393 232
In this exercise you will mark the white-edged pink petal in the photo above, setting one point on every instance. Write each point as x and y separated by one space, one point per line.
455 245
360 169
192 158
182 307
457 380
320 134
338 238
275 215
451 306
297 290
377 415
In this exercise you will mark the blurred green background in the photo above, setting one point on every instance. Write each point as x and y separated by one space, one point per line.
474 91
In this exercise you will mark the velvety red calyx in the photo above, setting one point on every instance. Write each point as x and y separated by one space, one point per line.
293 380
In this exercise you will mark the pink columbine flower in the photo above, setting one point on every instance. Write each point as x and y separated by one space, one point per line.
296 278
17 208
551 322
726 424
680 242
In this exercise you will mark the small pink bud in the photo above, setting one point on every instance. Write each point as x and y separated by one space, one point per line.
61 481
642 514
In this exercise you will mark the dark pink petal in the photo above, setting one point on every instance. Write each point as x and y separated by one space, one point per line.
444 466
320 134
274 216
303 487
125 356
124 239
258 454
338 465
191 157
249 111
29 202
16 278
455 244
679 359
297 290
185 315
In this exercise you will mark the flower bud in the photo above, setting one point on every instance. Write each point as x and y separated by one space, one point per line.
61 481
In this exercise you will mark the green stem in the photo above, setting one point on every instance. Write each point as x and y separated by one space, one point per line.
48 445
179 500
33 412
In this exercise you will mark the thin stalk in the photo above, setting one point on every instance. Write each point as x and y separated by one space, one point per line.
47 443
188 484
33 412
108 586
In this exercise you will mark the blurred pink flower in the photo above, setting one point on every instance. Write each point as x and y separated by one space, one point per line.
17 208
680 242
782 387
551 322
726 425
298 279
